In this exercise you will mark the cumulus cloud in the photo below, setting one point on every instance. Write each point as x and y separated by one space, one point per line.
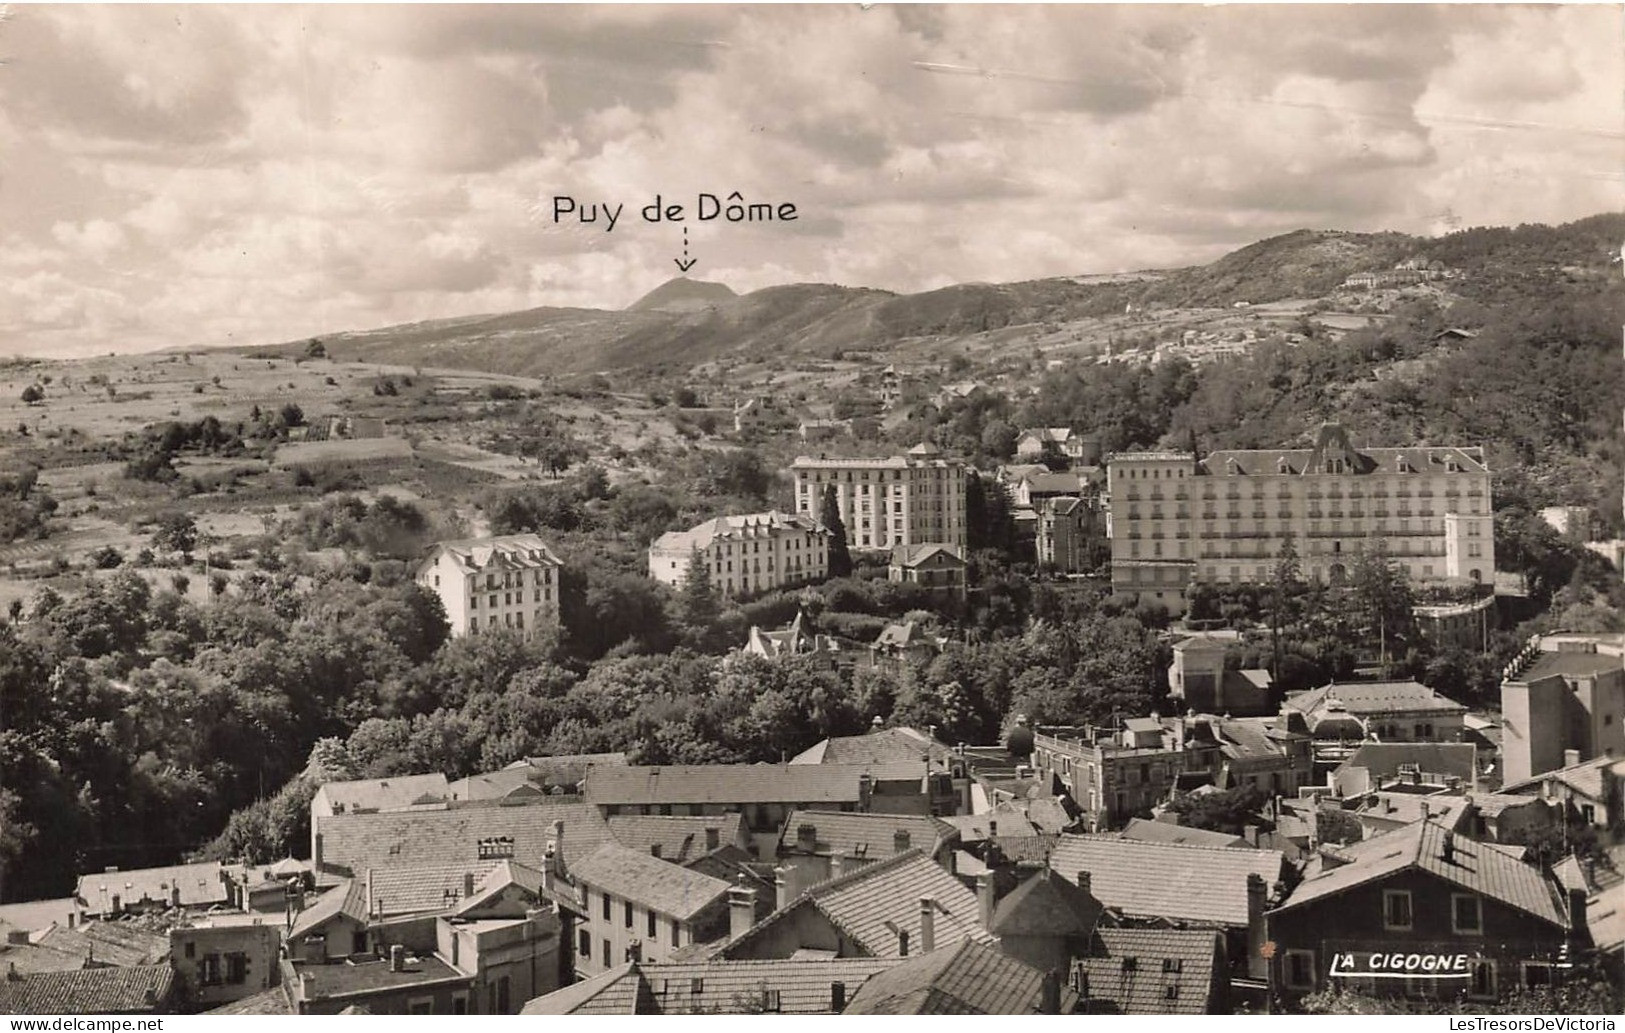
213 174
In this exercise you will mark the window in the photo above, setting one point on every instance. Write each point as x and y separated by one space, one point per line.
420 1006
1537 973
1482 983
629 914
675 929
1171 992
606 907
236 967
653 925
459 1004
1466 915
1396 910
191 950
1300 969
1171 964
770 1001
584 945
608 960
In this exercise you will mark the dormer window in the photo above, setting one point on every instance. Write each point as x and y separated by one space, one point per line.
1281 465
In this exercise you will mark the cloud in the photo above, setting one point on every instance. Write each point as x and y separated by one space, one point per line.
192 175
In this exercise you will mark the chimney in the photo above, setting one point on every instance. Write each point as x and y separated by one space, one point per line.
1571 758
316 852
12 976
1049 995
468 885
741 910
837 865
807 838
397 957
1577 914
1257 964
634 950
654 849
1426 811
902 943
1084 882
984 899
899 841
1080 981
928 931
1249 832
837 997
713 838
557 843
992 828
1449 847
866 788
781 888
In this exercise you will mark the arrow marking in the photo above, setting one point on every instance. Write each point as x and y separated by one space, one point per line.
685 263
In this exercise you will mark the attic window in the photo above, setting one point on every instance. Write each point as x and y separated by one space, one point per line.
1171 964
770 1000
1131 964
696 987
1281 465
1171 992
495 847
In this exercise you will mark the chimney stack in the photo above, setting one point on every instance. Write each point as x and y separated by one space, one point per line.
654 849
1257 964
1049 995
902 943
781 888
984 899
1571 758
468 885
928 914
806 838
1080 981
557 843
837 997
1426 811
634 950
713 838
1577 912
1449 847
837 865
1084 882
899 841
397 957
741 910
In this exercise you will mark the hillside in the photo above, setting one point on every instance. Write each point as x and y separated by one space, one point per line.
685 322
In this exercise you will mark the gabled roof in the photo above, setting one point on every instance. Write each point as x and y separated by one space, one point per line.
648 881
873 903
1584 778
109 943
406 889
1005 819
90 991
614 992
1372 698
1383 759
731 783
925 552
1167 880
801 987
867 835
883 746
1472 866
384 794
542 773
681 838
505 874
736 528
1166 832
352 843
1046 904
962 979
199 885
1183 959
36 957
348 898
512 551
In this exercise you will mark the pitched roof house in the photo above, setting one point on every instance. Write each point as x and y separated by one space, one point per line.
136 989
348 844
801 986
1153 972
966 978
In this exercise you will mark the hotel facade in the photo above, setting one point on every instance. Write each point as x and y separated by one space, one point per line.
911 499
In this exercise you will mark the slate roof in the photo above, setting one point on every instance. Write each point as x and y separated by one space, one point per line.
355 842
614 992
1584 778
1383 759
737 783
1423 460
1046 904
648 881
384 794
508 550
109 943
1149 831
886 746
871 904
1166 880
411 888
200 885
681 838
1474 867
1180 958
963 979
1382 697
90 991
1569 664
870 835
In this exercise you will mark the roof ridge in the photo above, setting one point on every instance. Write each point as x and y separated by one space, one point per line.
1103 836
847 879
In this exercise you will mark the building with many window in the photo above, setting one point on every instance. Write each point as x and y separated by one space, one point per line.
900 500
1177 518
510 581
746 554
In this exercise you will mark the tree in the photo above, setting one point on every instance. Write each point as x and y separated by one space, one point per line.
840 556
1384 595
698 602
1285 578
315 349
33 394
990 522
175 532
291 415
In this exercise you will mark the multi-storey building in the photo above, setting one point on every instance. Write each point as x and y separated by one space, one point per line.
511 581
1562 702
1069 533
746 554
1177 518
902 500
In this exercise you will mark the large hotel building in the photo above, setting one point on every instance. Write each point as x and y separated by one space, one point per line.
1176 518
909 499
746 554
509 581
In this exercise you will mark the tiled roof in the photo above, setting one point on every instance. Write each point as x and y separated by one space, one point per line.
37 914
199 885
384 794
109 943
1570 664
1366 460
852 834
406 889
1149 831
505 874
36 957
348 898
355 842
608 993
1384 811
1473 866
873 903
1046 904
509 550
1375 698
732 987
1005 819
731 528
267 1002
681 838
1183 959
961 979
648 881
90 991
1442 758
737 783
914 555
886 746
1584 778
1166 880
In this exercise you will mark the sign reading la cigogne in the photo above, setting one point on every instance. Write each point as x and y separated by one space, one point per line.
1402 965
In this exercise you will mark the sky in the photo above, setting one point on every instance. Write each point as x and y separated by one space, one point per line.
182 176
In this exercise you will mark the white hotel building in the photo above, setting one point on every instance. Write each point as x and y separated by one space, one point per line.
912 499
1176 519
747 554
510 581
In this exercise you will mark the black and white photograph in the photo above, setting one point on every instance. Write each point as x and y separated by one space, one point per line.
813 510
